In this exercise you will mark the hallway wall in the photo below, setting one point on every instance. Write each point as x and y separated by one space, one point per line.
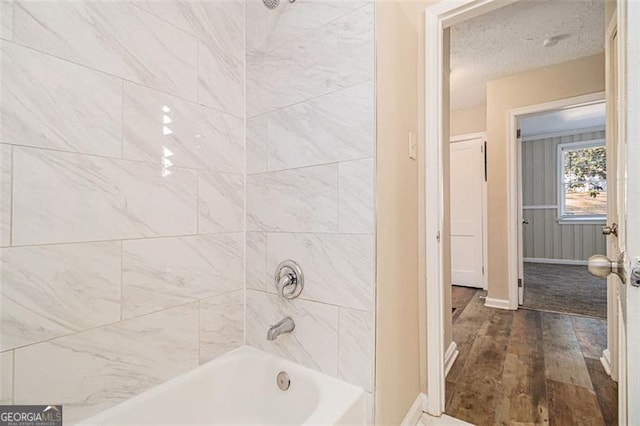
574 78
397 332
468 120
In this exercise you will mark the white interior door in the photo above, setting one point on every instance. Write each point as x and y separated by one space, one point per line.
522 221
467 173
626 66
623 192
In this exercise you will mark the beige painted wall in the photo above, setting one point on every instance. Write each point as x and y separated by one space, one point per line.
398 337
569 79
468 120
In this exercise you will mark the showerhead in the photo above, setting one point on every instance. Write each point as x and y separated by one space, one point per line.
271 4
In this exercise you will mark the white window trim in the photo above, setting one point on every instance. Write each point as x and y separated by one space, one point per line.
562 218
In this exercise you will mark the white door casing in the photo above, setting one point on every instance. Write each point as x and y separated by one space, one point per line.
521 224
628 192
467 188
449 12
438 17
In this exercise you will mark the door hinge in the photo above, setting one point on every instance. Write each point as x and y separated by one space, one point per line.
438 236
520 282
485 161
519 133
483 270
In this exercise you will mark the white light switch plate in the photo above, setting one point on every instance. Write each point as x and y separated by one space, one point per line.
412 145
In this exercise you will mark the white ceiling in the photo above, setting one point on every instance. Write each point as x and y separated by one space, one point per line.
575 118
510 40
582 117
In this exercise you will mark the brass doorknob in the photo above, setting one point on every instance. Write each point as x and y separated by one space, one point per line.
601 266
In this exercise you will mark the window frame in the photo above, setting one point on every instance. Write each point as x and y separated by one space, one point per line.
562 216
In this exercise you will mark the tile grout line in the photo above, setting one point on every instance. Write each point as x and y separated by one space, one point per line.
273 293
117 322
130 160
246 167
311 30
338 199
309 166
116 239
124 79
173 236
121 280
338 343
187 167
199 332
122 106
12 157
13 377
330 92
198 178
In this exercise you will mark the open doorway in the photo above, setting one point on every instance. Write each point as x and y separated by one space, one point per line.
540 365
563 187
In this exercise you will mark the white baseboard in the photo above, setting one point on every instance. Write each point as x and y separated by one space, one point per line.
605 359
555 261
418 407
497 303
450 357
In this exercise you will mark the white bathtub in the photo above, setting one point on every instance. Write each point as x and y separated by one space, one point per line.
240 388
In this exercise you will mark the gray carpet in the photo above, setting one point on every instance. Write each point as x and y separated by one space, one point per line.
564 288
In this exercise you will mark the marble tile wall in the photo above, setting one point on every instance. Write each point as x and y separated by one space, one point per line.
122 154
310 181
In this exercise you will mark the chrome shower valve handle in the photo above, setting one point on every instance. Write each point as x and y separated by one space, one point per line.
289 279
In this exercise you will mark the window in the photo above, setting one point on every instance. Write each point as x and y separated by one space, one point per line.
582 168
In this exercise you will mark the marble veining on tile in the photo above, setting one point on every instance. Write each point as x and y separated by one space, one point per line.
334 127
51 103
356 197
49 291
6 378
313 343
221 202
62 197
99 35
5 194
220 78
164 272
221 324
6 19
298 200
91 371
269 29
355 356
338 269
356 56
204 19
257 144
299 70
163 129
258 277
219 26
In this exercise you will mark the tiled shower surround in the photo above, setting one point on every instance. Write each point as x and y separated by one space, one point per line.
139 223
310 177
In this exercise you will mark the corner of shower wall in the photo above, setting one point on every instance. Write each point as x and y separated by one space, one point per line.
310 165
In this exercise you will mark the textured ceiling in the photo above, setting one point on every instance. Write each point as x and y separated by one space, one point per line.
510 40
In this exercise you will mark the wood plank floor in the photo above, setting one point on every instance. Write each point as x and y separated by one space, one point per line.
527 367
